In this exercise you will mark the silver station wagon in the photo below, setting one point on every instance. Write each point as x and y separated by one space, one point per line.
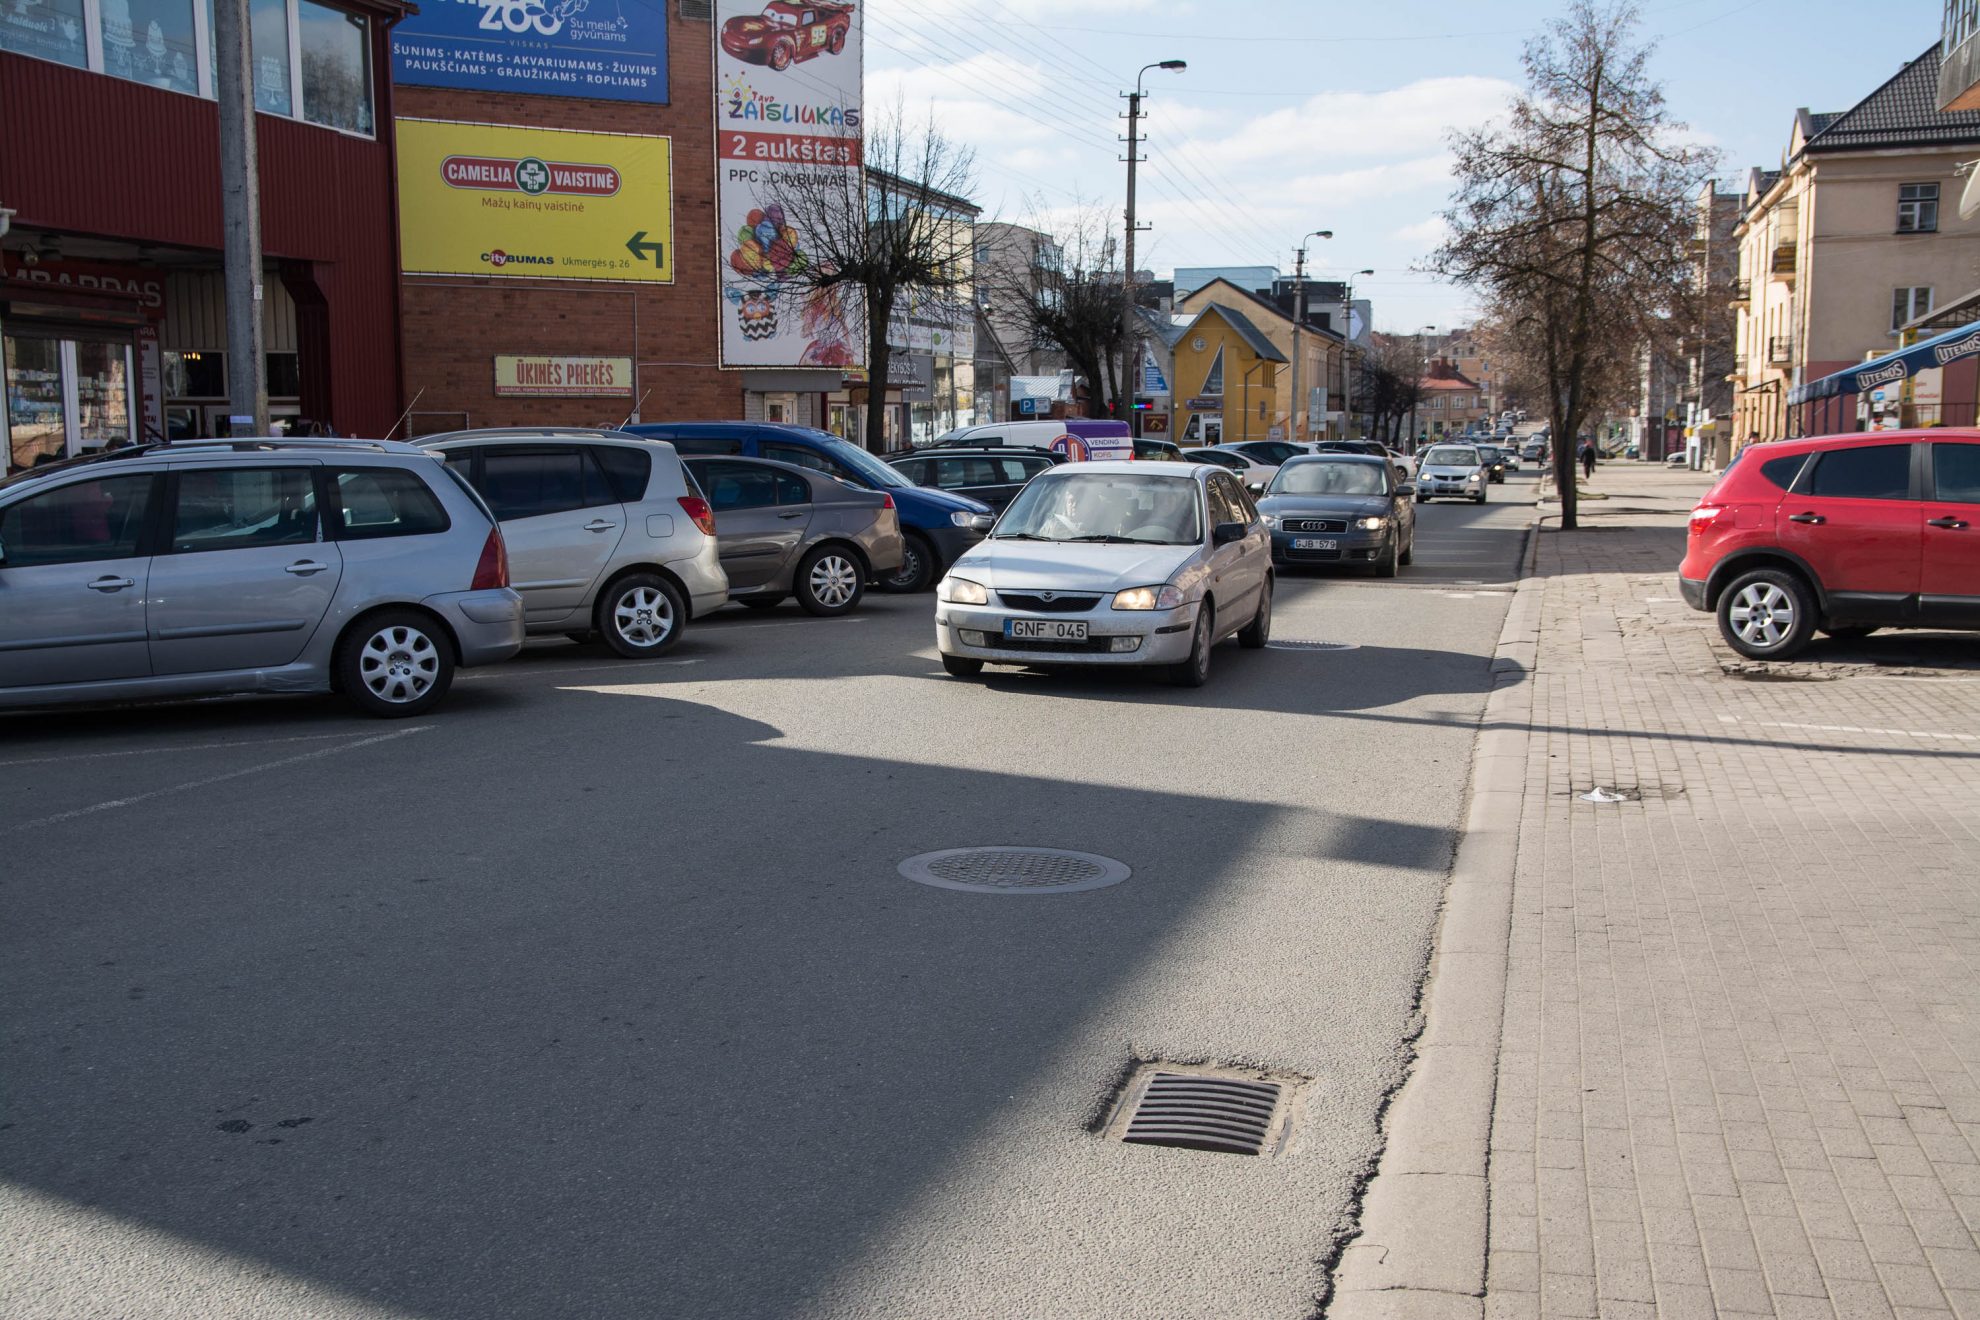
363 567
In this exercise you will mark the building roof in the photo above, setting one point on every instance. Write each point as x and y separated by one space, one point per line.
1271 308
1904 112
1253 337
1451 384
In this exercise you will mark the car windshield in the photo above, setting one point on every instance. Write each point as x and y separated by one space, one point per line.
1452 456
864 463
1105 507
1320 477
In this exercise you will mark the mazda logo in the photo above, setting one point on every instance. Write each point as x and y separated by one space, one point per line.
1048 595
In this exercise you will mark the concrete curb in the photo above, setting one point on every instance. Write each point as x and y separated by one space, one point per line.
1421 1251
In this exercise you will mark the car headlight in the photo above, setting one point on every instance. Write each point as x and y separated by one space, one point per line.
1371 524
961 518
1165 597
1271 521
961 591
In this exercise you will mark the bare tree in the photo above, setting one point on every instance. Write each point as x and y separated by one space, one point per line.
1070 296
1573 215
891 238
1391 383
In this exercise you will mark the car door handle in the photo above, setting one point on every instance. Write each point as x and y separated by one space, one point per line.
599 525
1945 522
304 567
1807 518
788 516
111 584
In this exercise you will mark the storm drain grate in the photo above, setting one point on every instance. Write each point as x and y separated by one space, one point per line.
1311 646
1204 1113
1012 870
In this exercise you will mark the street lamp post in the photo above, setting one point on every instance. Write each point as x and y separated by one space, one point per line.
1130 340
1299 321
1347 352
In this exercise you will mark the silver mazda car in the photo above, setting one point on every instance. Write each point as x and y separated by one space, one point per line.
1112 564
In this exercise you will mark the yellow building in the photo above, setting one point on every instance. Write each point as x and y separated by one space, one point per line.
1227 380
1322 360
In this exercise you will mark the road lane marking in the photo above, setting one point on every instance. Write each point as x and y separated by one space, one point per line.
173 747
1852 728
209 781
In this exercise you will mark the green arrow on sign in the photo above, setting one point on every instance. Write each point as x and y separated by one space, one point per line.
639 247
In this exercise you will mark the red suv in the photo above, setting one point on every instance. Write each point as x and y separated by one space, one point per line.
1845 533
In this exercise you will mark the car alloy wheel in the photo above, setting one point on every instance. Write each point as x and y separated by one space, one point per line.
1195 671
643 616
1762 615
834 581
916 567
398 664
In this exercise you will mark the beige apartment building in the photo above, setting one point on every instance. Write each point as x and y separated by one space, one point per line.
1856 235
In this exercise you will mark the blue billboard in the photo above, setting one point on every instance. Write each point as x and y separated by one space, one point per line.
613 50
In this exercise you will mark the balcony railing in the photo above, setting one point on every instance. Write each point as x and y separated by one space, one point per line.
1780 350
1739 367
1742 291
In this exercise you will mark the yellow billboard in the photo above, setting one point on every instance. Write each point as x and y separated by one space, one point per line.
534 203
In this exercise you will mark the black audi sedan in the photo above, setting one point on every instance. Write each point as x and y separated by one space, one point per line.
1340 509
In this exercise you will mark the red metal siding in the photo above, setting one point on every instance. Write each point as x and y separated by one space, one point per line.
91 154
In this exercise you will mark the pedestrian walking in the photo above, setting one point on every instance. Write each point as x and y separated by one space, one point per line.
1587 460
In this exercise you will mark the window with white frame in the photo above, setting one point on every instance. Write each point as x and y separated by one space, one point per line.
1918 208
1909 304
311 61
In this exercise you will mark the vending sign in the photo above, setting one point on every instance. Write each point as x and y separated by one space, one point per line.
608 50
534 203
787 107
551 376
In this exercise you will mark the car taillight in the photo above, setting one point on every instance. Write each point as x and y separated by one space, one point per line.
1705 515
492 570
886 500
699 513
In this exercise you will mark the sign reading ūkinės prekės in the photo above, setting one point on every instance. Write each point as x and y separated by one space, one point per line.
611 50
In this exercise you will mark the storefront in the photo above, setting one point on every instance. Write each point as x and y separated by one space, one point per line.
112 325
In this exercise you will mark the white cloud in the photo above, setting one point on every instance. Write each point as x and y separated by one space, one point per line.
1406 120
1425 234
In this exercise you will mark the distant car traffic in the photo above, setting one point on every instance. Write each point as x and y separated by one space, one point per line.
1258 469
249 565
607 536
783 530
993 475
935 525
1112 564
1843 534
1494 459
1080 439
1449 469
1404 465
1340 509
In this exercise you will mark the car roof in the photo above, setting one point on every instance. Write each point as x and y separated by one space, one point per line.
1338 456
534 434
231 450
777 463
994 451
1146 467
1808 443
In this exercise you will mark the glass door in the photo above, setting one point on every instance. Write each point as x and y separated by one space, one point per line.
103 395
37 411
65 397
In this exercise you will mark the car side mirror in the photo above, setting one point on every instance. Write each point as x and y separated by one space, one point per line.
1405 490
1255 487
982 523
1226 533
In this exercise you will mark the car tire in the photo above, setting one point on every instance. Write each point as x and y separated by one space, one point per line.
829 581
1767 614
760 602
641 615
1409 552
1254 635
1385 563
395 664
780 56
1479 498
837 42
961 666
1852 634
1195 671
917 568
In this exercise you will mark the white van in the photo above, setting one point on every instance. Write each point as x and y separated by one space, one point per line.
1079 439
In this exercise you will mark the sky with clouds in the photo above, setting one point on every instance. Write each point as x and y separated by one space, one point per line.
1297 115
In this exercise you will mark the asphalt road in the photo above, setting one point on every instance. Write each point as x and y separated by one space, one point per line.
598 994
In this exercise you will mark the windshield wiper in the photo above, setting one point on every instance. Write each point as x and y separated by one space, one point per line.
1018 536
1108 539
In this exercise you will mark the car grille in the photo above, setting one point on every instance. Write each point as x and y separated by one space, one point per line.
1313 524
1091 646
1060 603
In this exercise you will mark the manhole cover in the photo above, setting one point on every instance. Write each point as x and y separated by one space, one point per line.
1312 646
1011 870
1236 1116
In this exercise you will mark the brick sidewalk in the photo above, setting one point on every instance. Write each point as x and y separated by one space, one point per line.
1740 1063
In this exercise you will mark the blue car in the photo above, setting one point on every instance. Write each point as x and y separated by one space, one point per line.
934 524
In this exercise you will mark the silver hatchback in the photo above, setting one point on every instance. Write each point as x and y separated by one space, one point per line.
249 566
608 536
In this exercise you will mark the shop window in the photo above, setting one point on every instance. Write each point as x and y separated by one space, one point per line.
103 395
151 41
268 26
284 376
336 68
50 30
195 374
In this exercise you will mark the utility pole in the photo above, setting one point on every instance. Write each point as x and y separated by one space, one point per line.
1298 409
1130 337
240 195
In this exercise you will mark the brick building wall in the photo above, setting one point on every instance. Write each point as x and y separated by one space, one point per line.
454 326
